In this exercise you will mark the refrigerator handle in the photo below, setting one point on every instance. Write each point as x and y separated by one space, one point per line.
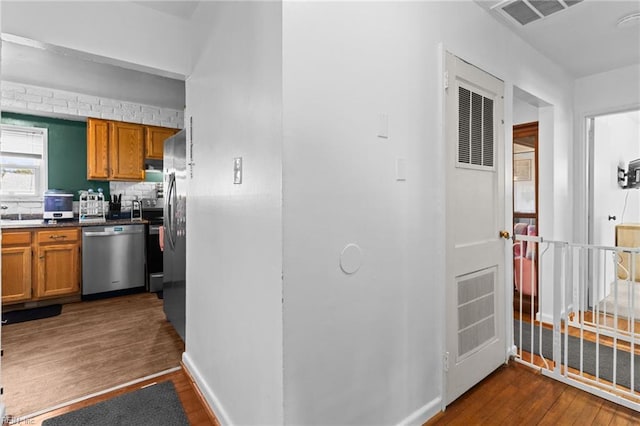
169 210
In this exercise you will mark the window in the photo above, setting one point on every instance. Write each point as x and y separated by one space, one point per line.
23 163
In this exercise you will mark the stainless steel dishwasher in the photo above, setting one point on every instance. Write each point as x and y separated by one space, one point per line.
113 259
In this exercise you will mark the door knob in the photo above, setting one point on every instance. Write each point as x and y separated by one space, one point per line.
505 235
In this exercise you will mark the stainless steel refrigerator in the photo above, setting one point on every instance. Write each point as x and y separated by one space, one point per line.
175 221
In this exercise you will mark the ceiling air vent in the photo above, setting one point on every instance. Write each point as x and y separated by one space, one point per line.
526 11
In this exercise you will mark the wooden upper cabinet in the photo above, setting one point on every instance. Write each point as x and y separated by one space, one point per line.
97 149
126 151
116 150
154 141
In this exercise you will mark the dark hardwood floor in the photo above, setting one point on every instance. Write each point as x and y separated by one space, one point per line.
92 346
516 395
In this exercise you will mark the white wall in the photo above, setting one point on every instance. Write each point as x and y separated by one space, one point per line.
524 112
122 30
366 348
234 244
613 91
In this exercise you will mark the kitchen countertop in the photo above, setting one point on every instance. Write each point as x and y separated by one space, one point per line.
70 223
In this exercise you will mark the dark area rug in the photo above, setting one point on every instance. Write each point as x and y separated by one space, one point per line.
158 404
14 317
605 355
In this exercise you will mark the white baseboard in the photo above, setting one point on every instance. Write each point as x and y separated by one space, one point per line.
546 318
209 395
422 414
513 350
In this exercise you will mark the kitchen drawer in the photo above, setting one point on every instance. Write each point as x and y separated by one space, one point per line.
15 238
58 236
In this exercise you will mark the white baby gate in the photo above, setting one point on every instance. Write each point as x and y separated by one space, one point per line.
575 312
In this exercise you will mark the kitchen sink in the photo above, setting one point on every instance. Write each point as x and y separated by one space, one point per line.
16 222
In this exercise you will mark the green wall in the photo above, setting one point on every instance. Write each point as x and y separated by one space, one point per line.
67 152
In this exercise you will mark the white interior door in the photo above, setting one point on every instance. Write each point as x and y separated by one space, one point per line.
475 216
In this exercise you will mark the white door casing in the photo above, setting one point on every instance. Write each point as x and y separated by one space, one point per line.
475 206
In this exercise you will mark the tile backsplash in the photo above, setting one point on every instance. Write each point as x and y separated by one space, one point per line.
21 207
134 191
130 191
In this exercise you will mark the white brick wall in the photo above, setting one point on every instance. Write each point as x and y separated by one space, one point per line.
21 207
27 99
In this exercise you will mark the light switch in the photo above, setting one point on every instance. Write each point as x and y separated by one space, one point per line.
237 170
383 126
401 169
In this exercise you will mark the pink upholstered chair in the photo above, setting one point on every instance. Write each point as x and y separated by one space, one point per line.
520 246
524 270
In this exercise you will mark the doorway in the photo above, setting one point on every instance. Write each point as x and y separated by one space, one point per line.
613 141
525 214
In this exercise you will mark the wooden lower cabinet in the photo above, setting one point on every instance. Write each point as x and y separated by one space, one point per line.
58 267
16 267
54 272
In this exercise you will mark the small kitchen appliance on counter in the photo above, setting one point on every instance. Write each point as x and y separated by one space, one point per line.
136 211
58 204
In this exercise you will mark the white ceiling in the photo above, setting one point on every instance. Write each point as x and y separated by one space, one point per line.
583 39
